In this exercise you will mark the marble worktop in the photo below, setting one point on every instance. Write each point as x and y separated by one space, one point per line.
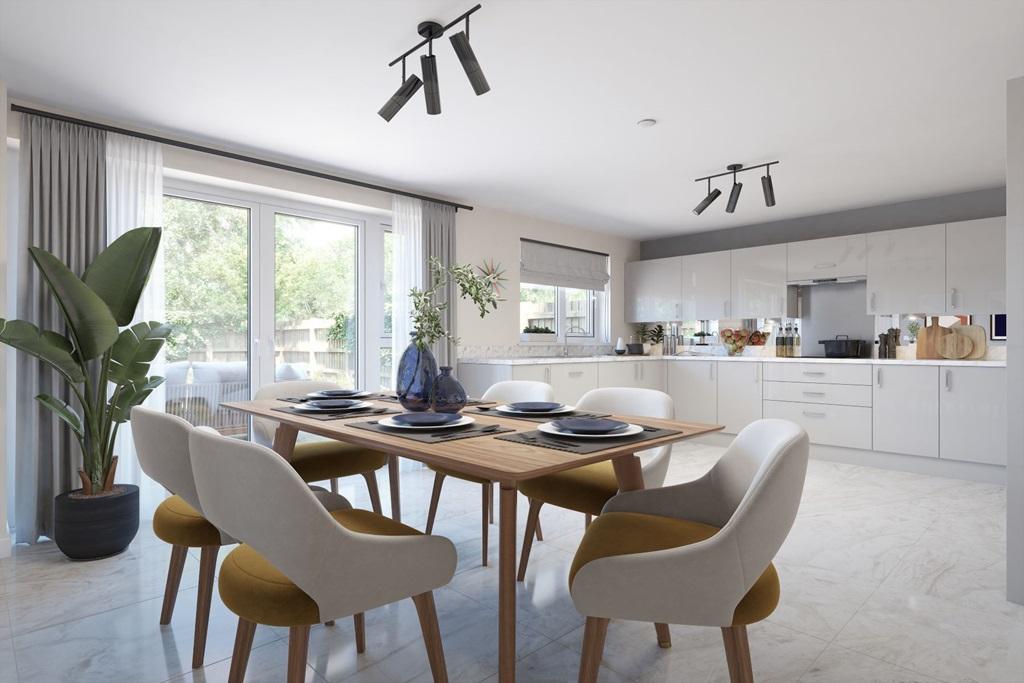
548 360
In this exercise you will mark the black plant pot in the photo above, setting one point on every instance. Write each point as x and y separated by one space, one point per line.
93 527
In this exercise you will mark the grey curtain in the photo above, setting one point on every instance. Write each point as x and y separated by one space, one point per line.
62 208
439 242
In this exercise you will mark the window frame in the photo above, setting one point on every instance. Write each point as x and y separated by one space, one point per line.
600 313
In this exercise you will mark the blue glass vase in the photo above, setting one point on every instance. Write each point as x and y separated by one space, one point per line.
449 396
417 371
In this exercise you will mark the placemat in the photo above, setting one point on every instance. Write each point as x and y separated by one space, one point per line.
585 446
538 418
438 436
340 416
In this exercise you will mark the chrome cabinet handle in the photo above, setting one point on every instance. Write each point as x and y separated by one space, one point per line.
949 380
810 413
576 373
872 302
952 297
711 367
815 373
547 375
814 393
757 372
822 266
878 377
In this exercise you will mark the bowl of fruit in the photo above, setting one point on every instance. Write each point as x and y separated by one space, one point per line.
737 340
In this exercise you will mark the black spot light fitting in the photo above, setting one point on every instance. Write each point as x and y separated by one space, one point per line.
737 187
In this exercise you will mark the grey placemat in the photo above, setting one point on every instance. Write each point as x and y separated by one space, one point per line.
325 417
538 418
438 436
585 446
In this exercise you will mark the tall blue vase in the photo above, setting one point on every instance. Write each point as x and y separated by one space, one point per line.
417 371
449 396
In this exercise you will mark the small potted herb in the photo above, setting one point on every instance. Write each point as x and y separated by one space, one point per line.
538 333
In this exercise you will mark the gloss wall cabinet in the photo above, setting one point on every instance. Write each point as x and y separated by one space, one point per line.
905 415
654 290
707 282
906 270
824 259
759 282
976 266
972 414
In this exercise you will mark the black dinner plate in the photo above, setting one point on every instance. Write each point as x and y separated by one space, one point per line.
589 425
535 406
426 419
334 404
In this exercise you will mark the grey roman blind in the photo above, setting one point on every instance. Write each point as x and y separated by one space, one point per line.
541 263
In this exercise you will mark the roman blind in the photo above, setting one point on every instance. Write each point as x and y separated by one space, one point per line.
541 263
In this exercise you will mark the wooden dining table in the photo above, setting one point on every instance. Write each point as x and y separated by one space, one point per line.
486 457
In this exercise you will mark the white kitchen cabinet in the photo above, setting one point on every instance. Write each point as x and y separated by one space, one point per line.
829 425
739 394
905 401
824 259
759 282
653 290
972 414
635 373
693 386
907 270
532 373
976 266
571 380
823 373
706 285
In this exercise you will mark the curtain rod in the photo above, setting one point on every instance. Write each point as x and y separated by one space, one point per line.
230 155
563 246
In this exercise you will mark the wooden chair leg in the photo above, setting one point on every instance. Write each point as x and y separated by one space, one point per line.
435 497
490 502
431 635
371 486
240 655
593 648
207 570
359 621
737 654
298 648
532 519
393 482
664 636
487 488
587 520
334 485
178 555
539 534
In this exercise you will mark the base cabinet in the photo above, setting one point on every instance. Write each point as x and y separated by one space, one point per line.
739 395
693 386
571 380
829 425
972 414
905 401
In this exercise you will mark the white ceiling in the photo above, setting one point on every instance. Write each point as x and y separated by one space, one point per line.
862 102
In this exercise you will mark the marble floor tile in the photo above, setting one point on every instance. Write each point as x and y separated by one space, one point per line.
819 602
268 663
838 665
556 663
8 664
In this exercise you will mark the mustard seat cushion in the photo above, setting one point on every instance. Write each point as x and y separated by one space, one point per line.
630 533
257 591
320 460
583 489
178 523
459 475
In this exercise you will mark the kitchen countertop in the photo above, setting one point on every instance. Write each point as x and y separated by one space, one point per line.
737 359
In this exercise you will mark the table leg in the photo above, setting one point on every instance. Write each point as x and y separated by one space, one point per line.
507 583
284 440
631 478
396 499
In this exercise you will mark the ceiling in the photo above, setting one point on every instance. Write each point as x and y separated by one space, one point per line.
863 103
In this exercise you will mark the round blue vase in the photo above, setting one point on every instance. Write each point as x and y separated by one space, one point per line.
449 396
417 371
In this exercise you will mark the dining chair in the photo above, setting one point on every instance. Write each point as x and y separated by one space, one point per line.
321 459
300 564
698 553
586 489
511 391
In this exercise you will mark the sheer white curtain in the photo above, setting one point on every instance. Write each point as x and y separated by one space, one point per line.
407 238
135 189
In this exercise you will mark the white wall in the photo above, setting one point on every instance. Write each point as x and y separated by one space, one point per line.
1015 339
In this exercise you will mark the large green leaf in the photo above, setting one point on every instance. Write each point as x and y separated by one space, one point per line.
63 411
119 274
131 395
92 326
134 349
47 346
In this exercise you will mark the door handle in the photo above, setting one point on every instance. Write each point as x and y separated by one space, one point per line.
952 297
757 372
814 393
878 377
949 380
822 266
814 373
576 373
725 308
711 370
810 413
872 302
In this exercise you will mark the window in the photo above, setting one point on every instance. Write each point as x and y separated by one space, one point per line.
562 295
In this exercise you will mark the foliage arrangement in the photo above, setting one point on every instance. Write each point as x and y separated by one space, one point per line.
656 334
427 323
537 329
913 327
106 367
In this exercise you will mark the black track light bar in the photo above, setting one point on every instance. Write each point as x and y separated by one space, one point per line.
425 41
733 171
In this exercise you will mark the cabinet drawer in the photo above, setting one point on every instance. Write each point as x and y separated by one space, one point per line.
808 392
823 373
844 426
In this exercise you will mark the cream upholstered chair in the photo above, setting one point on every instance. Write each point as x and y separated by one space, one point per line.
586 489
698 553
511 391
161 441
300 564
321 459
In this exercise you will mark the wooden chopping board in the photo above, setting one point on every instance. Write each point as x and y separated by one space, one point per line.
977 335
954 346
927 340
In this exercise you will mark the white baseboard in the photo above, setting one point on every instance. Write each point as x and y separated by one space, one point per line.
953 469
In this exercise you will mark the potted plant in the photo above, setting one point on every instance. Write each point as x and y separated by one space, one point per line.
417 369
106 369
656 337
538 333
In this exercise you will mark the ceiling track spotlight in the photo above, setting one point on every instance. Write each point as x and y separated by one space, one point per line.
737 187
430 31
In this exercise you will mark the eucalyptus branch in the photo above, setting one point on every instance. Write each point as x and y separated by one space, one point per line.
427 314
